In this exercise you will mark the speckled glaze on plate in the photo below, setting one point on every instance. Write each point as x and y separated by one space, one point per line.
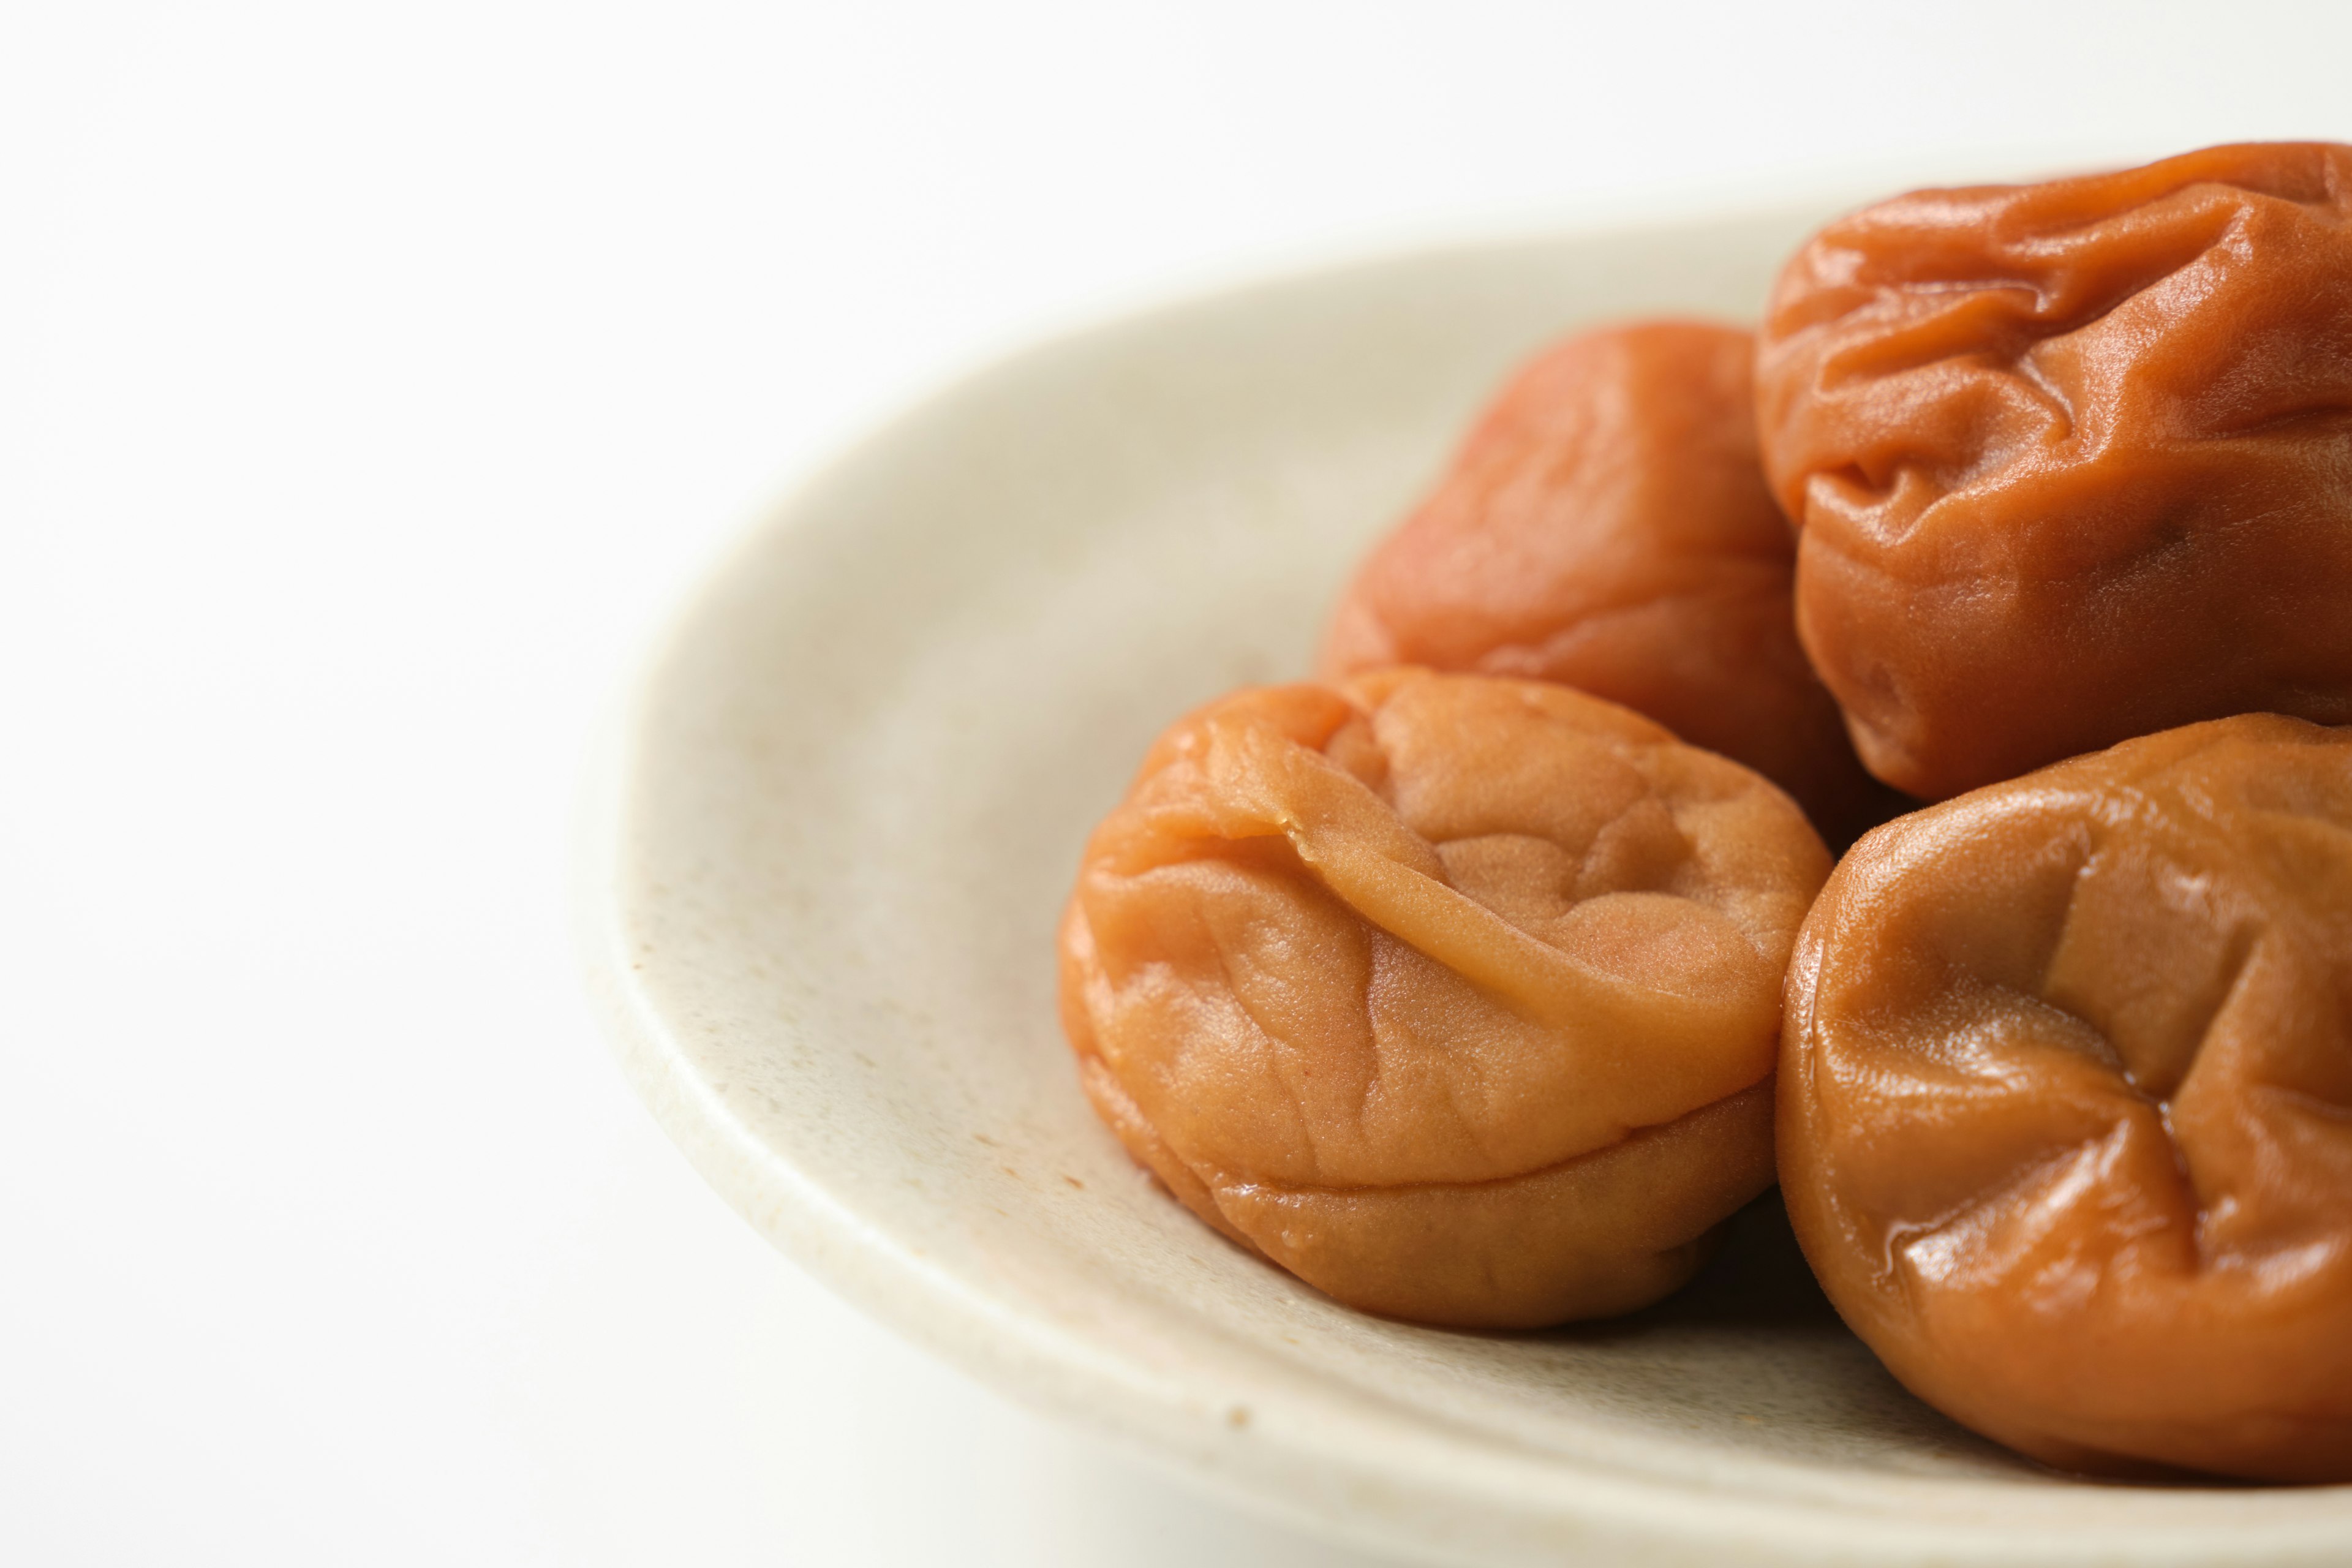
838 822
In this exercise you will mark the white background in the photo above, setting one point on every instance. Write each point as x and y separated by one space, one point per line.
372 381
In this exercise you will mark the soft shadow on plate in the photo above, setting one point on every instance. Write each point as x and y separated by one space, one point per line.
1759 1279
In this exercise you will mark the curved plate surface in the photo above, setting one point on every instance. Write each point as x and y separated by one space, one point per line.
837 832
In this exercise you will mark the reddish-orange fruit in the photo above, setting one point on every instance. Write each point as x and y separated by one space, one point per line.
2073 462
1456 997
2065 1103
1607 525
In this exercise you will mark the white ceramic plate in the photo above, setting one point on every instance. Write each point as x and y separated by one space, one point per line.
842 820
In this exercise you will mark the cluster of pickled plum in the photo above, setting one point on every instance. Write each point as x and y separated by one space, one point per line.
1480 980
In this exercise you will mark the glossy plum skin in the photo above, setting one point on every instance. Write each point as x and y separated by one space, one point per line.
1456 997
2065 1103
2071 462
1606 525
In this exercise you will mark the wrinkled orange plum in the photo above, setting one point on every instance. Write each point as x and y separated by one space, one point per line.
2071 462
2065 1103
1456 997
1607 525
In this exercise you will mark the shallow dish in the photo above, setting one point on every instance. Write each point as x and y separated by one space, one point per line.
838 827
